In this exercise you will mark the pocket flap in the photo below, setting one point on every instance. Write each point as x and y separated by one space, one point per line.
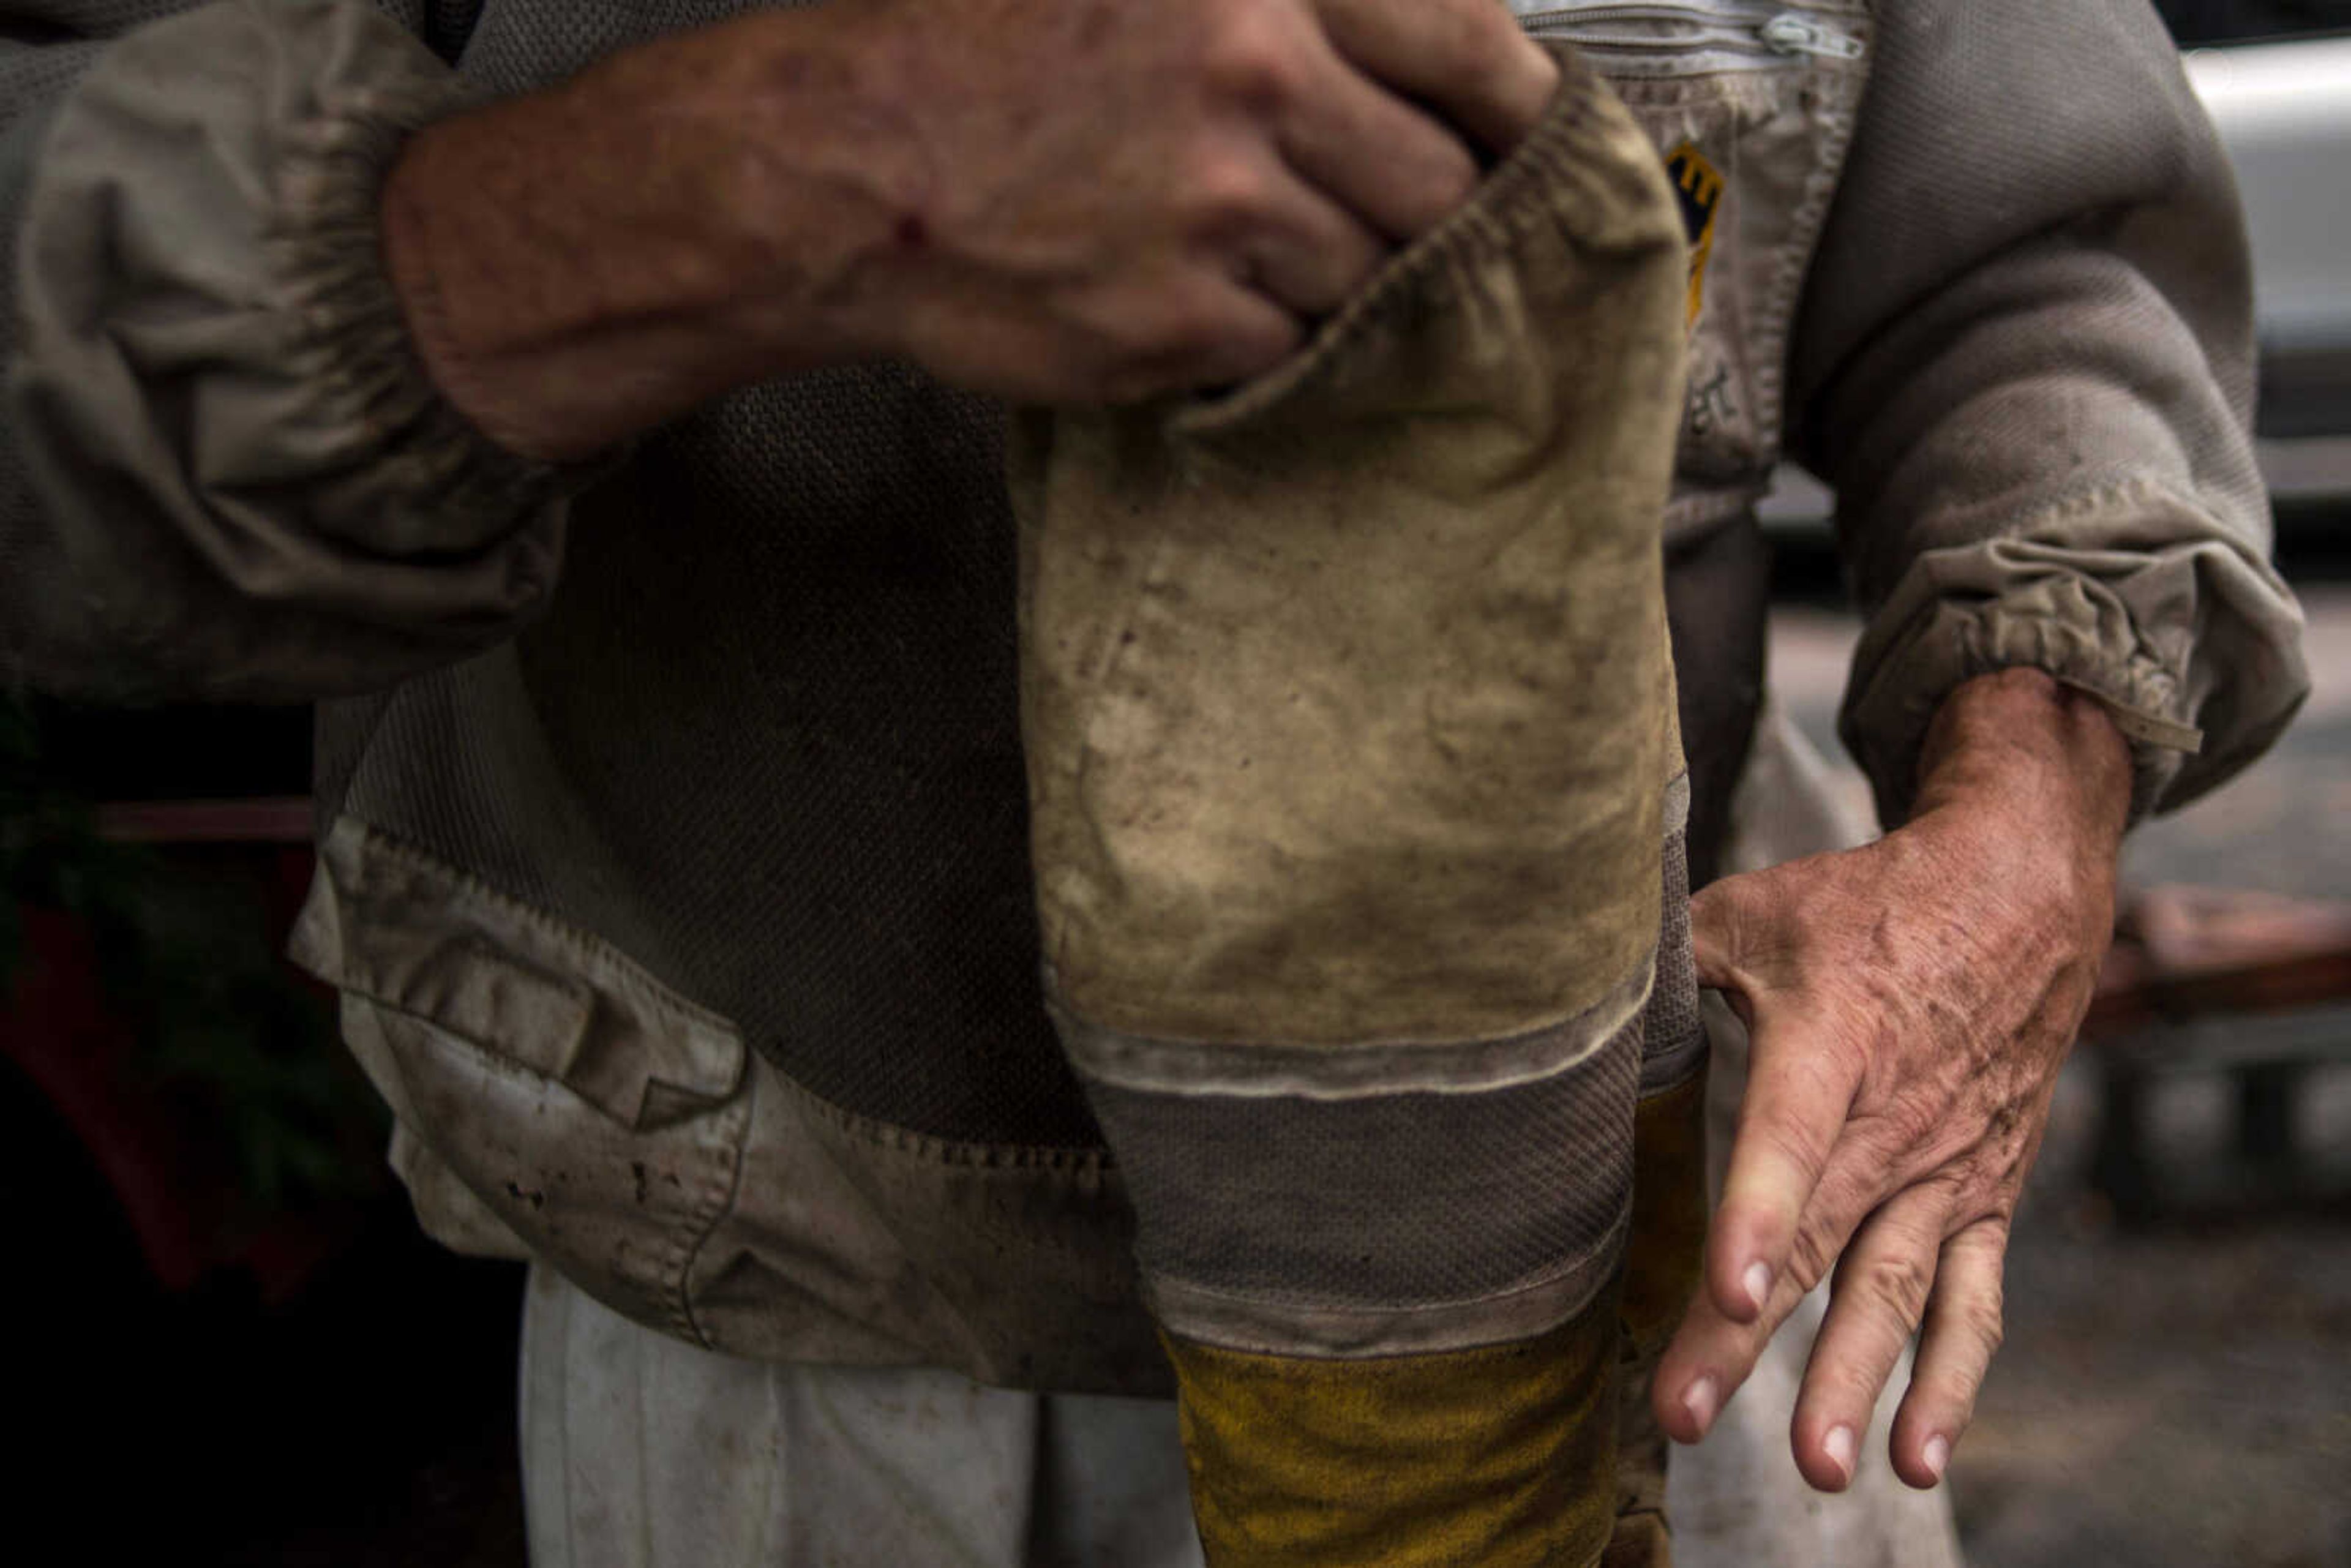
390 923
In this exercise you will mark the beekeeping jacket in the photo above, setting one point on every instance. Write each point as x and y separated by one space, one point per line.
675 852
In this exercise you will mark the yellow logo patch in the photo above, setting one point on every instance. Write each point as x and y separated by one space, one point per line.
1698 184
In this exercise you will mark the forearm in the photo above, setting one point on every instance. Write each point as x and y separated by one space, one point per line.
2021 742
584 262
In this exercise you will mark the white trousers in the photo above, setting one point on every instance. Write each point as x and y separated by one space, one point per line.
640 1451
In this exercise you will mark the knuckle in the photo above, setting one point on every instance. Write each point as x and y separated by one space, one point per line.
1955 1389
1916 1121
1122 375
1960 1383
1812 1257
1248 57
1987 1325
1121 332
1249 351
1899 1284
1449 180
1975 1189
1207 342
1957 1188
1143 354
1186 339
1132 369
1475 39
1227 198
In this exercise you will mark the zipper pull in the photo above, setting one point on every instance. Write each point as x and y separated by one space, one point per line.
1790 33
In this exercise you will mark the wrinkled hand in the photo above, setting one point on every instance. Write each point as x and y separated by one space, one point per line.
1117 200
1909 1003
1053 201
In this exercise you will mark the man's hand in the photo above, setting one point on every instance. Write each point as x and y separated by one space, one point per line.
1909 1003
1054 201
1120 200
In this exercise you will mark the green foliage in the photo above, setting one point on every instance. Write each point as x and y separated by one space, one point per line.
186 957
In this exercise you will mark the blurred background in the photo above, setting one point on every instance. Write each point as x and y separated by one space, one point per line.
236 1346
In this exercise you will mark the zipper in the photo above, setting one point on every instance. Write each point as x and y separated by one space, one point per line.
1789 34
1792 32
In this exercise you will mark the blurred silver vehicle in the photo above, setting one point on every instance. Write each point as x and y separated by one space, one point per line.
2284 109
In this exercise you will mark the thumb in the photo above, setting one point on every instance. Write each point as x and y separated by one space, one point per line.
1722 916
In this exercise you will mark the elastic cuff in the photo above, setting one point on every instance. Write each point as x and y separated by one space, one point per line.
352 340
1894 697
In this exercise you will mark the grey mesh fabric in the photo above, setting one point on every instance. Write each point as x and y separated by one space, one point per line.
741 711
1665 1247
853 752
1673 1040
1419 1199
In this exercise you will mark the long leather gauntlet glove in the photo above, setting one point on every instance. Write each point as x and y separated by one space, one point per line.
1351 754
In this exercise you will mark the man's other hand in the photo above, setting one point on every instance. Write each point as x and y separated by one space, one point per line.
1909 1003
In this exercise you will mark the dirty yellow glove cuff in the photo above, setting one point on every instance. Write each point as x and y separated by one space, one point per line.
1498 1457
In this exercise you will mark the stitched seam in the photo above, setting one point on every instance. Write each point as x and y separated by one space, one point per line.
1776 321
1535 1284
1560 152
1363 1069
664 1293
630 975
1076 1160
725 1202
1307 1329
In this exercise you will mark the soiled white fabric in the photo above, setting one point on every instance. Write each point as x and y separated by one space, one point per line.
641 1451
1736 1500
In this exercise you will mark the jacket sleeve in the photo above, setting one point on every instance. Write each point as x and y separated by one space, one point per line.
2024 362
223 471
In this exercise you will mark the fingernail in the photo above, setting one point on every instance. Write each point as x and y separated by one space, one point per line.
1938 1455
1839 1446
1758 1280
1702 1399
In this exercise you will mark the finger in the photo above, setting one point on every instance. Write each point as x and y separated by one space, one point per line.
1181 332
1392 165
1878 1298
1714 1351
1799 1095
1718 924
1466 59
1709 1357
1961 1335
1307 254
